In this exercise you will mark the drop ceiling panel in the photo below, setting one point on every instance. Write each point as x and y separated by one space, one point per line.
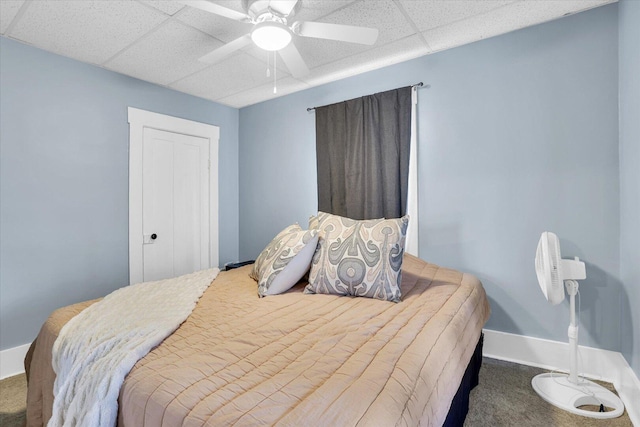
264 92
317 52
431 14
392 53
166 55
164 6
90 31
381 14
238 73
502 20
8 11
229 4
223 29
314 9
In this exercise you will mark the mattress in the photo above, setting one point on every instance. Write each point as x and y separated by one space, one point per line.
296 359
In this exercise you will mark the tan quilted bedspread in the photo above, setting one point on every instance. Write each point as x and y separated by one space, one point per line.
296 359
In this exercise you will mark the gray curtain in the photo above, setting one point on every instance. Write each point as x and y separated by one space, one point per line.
362 148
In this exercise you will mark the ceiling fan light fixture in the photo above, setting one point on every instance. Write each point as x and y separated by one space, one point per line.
271 35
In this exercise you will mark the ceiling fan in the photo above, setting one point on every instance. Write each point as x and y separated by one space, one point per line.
274 30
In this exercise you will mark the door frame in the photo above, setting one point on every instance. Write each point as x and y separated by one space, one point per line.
138 121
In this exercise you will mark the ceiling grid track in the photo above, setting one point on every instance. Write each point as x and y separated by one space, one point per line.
19 15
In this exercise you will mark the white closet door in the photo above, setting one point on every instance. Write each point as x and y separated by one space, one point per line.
175 204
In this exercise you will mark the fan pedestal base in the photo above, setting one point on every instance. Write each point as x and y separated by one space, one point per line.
559 391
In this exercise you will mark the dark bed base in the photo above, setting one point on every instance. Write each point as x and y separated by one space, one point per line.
460 404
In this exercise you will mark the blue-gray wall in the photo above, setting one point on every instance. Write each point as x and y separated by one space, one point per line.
64 159
629 31
518 134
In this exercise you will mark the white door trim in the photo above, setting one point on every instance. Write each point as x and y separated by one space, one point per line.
138 120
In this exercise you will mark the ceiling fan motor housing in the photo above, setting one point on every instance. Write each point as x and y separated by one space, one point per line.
256 8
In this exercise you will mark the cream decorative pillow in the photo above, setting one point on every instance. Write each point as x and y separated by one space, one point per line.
285 260
359 258
313 222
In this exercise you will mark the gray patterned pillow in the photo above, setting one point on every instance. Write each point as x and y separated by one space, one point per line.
285 260
260 261
359 258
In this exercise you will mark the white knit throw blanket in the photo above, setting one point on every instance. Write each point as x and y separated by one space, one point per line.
97 348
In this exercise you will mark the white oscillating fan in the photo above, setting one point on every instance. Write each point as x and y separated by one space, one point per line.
568 392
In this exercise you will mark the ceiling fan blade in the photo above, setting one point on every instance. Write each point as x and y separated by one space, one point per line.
343 33
294 62
283 7
207 6
226 50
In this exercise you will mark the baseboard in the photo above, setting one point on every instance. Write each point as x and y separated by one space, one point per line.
593 363
12 361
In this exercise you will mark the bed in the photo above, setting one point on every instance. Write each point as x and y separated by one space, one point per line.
296 359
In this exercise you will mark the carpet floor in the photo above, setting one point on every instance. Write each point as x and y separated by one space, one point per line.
13 401
504 398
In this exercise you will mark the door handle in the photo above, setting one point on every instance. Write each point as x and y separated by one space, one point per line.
149 238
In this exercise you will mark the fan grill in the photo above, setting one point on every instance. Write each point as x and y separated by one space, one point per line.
548 268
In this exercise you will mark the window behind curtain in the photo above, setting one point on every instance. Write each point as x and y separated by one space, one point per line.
362 148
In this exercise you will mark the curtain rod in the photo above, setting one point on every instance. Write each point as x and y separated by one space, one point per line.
415 85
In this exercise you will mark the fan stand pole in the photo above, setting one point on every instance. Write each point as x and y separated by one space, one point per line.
572 290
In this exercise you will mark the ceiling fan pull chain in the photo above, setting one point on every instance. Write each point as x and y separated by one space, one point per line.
268 65
275 71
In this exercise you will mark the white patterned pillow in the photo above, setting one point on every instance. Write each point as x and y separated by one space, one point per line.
359 258
285 260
